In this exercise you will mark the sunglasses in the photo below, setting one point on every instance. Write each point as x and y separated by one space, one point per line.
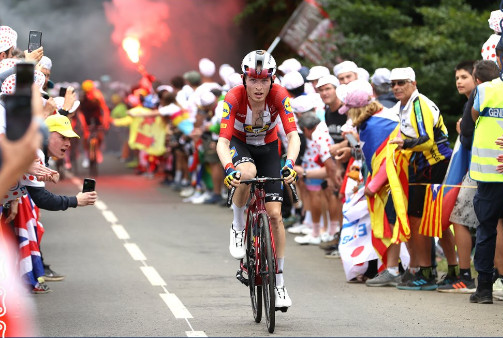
399 83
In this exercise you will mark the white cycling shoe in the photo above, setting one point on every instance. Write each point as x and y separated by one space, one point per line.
237 244
282 299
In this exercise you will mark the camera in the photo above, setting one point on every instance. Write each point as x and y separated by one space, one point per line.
356 151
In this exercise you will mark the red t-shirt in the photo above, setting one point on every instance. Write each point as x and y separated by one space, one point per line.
237 116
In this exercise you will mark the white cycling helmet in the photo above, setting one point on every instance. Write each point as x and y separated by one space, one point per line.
258 64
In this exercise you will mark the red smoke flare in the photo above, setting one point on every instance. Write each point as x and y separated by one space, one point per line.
144 20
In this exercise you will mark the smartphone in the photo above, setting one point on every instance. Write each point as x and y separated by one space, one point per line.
24 78
34 41
17 115
62 91
89 185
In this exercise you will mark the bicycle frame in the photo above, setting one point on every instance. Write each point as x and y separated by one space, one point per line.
255 209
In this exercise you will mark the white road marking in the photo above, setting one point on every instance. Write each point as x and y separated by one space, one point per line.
172 301
100 205
153 277
195 334
120 232
110 216
135 252
175 305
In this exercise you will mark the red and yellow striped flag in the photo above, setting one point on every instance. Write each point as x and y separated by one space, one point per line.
431 222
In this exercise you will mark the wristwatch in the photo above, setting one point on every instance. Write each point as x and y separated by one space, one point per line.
304 175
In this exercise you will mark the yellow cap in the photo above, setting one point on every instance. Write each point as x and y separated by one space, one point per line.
60 124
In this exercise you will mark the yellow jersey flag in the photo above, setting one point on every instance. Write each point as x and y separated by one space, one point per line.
147 132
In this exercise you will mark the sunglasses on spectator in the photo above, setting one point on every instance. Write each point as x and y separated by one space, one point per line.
399 83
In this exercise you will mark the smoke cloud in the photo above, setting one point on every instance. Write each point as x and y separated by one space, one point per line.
83 38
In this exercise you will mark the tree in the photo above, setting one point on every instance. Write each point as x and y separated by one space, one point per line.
430 36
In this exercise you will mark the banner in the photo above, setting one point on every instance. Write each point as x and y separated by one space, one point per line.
355 246
304 29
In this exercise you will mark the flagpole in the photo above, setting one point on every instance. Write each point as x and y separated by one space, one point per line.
274 44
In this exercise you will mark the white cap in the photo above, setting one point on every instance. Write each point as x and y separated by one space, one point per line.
302 103
8 63
344 67
290 65
207 98
45 62
206 67
494 20
235 79
59 100
360 85
363 74
164 87
9 84
8 38
328 79
224 71
292 80
317 72
169 110
488 51
381 76
403 74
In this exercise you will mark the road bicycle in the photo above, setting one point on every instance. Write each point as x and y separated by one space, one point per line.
95 137
258 268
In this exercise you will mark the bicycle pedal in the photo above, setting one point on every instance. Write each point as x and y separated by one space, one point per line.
241 278
282 309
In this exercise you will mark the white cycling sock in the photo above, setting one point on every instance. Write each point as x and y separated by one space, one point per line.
279 276
178 176
238 223
308 219
393 270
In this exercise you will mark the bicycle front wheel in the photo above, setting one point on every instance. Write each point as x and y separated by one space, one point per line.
253 279
267 271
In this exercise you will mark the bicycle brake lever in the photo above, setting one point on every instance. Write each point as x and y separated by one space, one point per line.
295 196
232 190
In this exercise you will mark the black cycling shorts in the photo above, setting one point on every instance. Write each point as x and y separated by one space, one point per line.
267 161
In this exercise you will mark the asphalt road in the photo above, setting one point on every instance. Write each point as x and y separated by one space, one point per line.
143 263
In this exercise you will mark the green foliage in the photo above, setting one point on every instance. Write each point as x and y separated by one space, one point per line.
432 37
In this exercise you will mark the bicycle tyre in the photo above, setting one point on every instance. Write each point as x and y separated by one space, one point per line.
251 261
268 272
93 161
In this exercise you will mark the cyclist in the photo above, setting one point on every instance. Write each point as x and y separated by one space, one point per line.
248 146
94 112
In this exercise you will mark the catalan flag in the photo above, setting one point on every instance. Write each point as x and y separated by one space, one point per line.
375 135
439 199
431 222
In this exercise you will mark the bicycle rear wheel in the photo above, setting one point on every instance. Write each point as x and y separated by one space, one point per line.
268 272
251 262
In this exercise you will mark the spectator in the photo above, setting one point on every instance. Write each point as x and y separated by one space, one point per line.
346 72
488 201
423 132
381 85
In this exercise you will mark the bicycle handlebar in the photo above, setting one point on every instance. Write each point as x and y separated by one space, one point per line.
255 180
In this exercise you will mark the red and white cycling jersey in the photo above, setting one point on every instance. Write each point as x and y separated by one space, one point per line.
237 116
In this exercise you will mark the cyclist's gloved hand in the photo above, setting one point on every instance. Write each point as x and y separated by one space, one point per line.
230 174
287 170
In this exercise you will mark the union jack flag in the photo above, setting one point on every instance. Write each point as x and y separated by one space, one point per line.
29 233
